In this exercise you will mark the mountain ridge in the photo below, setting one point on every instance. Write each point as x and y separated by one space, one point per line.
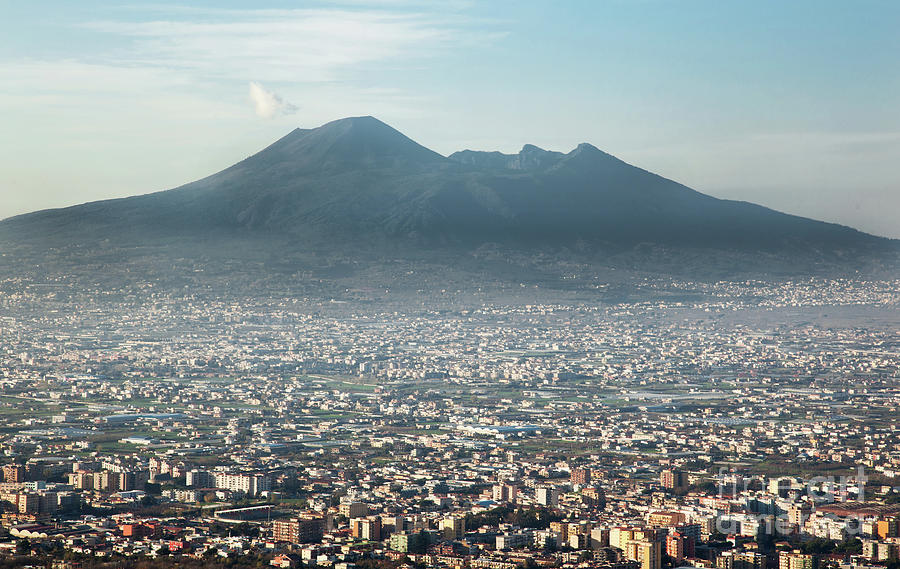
357 181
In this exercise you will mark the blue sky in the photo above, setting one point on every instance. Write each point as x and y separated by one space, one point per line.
794 105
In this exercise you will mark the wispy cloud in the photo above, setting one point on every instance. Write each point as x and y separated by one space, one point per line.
283 45
267 103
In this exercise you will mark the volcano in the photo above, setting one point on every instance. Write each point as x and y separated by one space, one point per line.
358 183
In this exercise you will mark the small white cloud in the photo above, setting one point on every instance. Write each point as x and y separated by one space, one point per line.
267 103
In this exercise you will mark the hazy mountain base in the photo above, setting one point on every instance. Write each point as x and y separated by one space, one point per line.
226 264
356 205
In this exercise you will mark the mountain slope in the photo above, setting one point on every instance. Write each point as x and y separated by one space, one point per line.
358 182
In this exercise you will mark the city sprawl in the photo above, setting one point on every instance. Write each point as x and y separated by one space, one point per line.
736 425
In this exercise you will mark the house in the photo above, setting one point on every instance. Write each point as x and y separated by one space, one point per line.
285 561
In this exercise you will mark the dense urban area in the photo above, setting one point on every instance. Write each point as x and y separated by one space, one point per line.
735 425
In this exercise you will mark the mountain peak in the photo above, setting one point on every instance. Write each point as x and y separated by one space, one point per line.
352 142
588 157
361 119
586 147
362 123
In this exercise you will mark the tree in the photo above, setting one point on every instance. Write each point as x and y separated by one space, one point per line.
852 546
819 546
23 547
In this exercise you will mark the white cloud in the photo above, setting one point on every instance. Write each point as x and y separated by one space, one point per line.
267 103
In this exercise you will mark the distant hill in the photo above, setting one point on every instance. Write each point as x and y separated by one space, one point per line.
356 184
